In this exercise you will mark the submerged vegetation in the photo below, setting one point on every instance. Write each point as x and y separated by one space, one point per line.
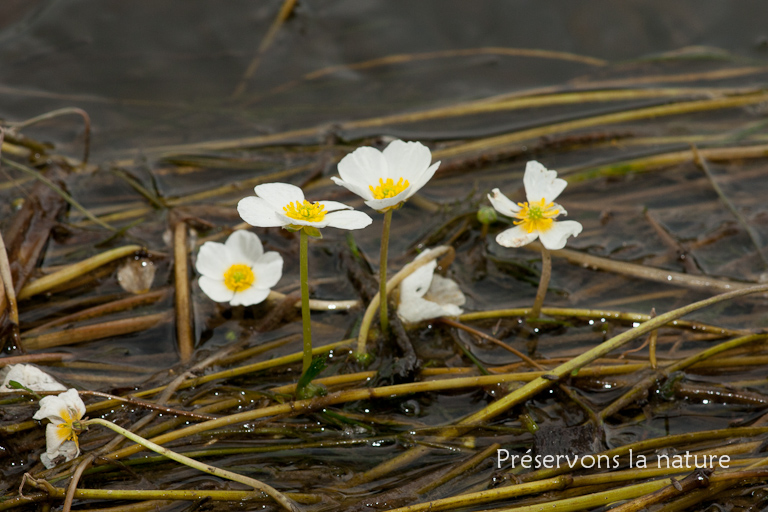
649 346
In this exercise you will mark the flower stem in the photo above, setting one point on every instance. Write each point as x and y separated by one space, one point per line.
546 272
205 468
383 318
407 270
304 277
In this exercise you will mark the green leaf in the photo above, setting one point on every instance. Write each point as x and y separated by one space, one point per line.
305 381
17 385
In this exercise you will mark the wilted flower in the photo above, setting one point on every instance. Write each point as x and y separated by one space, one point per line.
136 275
384 179
425 295
282 204
536 218
29 376
238 271
64 412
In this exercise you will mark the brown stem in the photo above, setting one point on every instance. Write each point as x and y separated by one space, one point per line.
181 273
546 273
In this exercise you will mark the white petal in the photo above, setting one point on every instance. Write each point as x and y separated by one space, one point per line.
407 160
69 450
560 209
382 204
445 292
52 440
332 206
258 212
250 296
268 270
56 448
348 219
30 376
363 167
73 402
215 289
213 259
451 310
46 460
416 310
361 190
502 203
541 183
516 237
422 180
555 237
416 285
278 195
50 407
244 247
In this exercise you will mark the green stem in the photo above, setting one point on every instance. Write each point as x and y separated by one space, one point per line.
305 321
205 468
546 273
383 318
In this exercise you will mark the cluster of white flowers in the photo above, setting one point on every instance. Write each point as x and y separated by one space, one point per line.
241 273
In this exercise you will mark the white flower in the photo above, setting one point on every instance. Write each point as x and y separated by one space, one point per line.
425 295
281 204
30 377
238 271
65 412
384 179
536 218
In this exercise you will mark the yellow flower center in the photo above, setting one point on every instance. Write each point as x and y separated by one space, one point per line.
305 211
239 277
67 431
536 216
389 188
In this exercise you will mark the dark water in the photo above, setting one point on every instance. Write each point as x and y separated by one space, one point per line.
153 74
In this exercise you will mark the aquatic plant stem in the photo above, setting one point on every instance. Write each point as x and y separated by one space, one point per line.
539 384
184 338
383 318
407 270
546 273
70 272
57 189
205 468
305 320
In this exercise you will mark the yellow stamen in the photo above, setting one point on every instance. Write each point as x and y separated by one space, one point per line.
239 277
389 188
305 211
537 216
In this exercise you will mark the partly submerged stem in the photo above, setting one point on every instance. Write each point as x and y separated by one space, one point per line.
305 321
546 273
205 468
407 270
383 271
